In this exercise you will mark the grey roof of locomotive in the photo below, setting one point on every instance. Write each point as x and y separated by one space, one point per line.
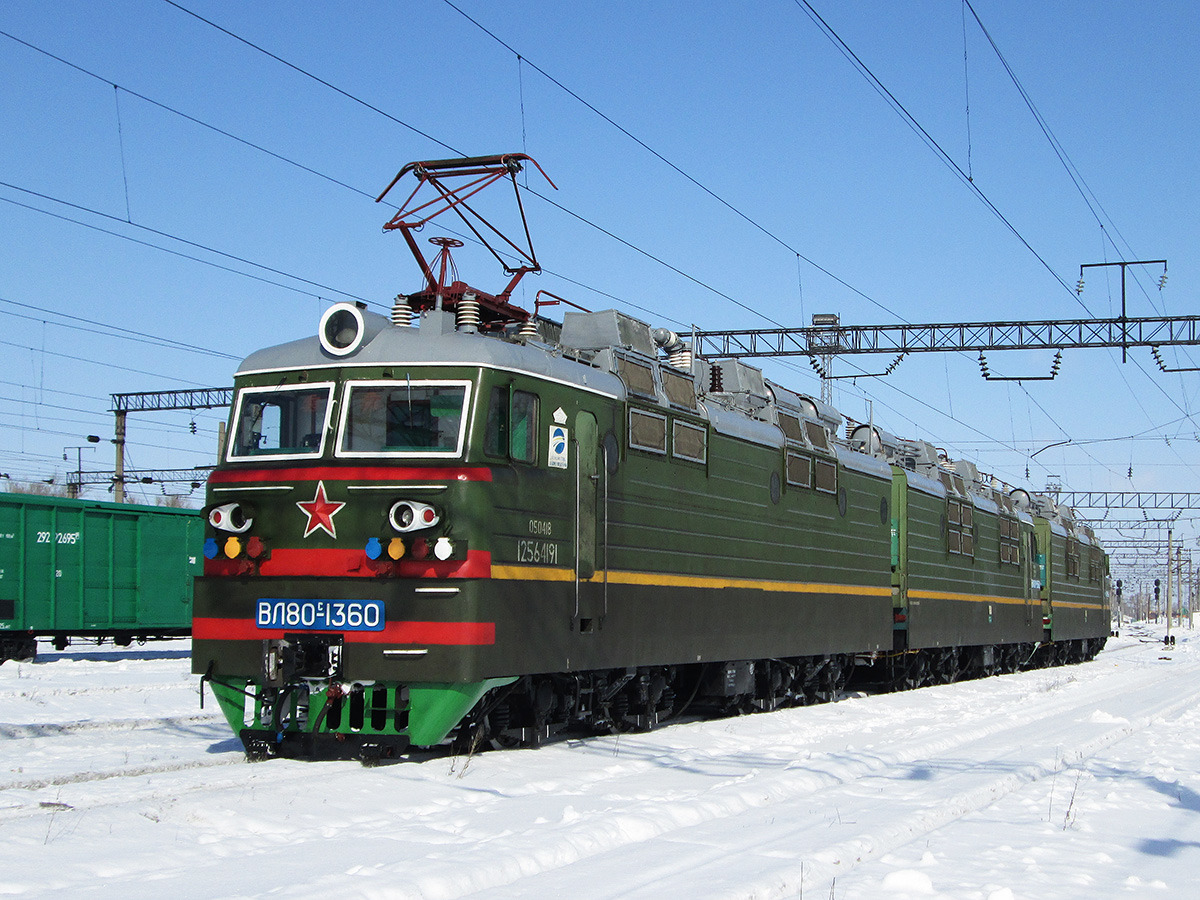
436 342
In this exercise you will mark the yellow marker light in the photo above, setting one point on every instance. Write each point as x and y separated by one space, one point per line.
395 548
233 547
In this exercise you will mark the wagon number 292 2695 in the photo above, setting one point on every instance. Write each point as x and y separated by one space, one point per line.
60 537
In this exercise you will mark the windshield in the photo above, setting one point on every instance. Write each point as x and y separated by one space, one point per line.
410 418
288 421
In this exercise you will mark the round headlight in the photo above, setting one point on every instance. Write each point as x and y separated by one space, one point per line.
410 515
231 517
402 516
342 329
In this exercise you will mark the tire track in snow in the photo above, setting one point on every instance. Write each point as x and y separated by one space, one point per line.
35 784
51 729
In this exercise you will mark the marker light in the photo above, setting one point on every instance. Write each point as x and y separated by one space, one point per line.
443 548
374 548
233 547
255 548
396 548
411 515
420 549
230 517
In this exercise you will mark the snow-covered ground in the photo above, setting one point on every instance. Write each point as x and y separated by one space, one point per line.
1080 782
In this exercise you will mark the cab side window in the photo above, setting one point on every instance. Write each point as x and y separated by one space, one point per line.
523 427
512 425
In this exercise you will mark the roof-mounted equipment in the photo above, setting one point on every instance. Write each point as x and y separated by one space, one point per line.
455 182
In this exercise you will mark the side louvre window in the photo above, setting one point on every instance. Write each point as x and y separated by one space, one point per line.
816 435
960 526
647 431
1072 558
638 377
790 426
679 389
1010 540
689 442
826 476
799 470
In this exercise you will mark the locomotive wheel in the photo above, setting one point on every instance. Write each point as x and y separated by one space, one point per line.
1079 651
949 669
504 741
914 674
834 678
997 664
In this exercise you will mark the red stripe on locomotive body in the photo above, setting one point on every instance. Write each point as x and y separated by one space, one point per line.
342 562
455 634
352 473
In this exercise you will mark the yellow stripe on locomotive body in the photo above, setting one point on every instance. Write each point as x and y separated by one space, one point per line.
663 579
966 598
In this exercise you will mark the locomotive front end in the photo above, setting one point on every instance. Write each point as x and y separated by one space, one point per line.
340 608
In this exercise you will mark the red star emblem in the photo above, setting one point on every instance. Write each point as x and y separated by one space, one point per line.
320 512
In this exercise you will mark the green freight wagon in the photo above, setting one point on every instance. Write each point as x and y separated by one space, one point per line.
86 569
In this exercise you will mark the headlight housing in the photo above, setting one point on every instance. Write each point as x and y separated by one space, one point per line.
231 517
412 515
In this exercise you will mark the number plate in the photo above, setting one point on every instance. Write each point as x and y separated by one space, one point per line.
320 615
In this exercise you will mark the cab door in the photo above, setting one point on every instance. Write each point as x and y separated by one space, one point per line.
587 490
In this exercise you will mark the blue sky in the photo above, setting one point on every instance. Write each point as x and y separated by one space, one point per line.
752 101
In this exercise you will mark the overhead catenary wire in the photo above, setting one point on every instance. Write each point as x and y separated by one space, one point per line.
280 271
114 331
925 136
99 362
1084 190
165 234
1089 197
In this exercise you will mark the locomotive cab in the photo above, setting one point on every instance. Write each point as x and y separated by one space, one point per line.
351 593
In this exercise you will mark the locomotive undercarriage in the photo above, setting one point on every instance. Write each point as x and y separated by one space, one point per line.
531 709
945 665
316 717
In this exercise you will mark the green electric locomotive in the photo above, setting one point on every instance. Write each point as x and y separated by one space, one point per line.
470 523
